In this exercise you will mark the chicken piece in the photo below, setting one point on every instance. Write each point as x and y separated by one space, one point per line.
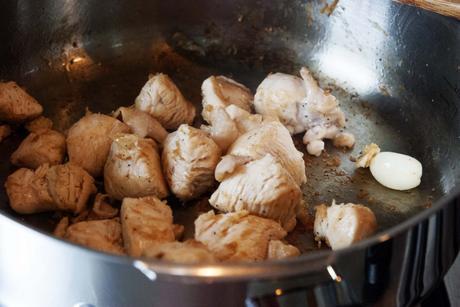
5 131
61 228
89 139
43 146
146 222
368 153
342 225
223 130
274 139
141 123
301 105
244 120
161 98
189 251
62 187
262 187
102 209
39 123
27 191
102 235
237 236
277 249
344 139
189 159
219 92
133 169
70 187
228 165
280 95
16 105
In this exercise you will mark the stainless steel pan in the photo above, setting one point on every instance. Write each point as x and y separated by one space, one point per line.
394 68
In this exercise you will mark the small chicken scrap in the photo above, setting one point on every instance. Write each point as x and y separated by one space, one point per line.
146 222
102 235
16 105
133 168
190 251
89 139
301 105
40 147
64 187
141 123
262 187
240 236
344 224
189 159
218 93
161 98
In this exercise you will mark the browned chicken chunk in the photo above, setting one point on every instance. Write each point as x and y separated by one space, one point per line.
237 236
133 169
262 187
189 251
102 209
189 159
341 225
27 191
161 98
142 124
89 139
102 235
61 187
39 123
146 222
16 105
40 147
277 249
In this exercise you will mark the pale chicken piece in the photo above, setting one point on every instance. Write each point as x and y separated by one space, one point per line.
190 251
223 130
40 147
133 169
16 105
27 191
39 123
70 187
280 95
274 139
146 222
189 159
161 98
301 105
219 92
262 187
62 187
244 120
237 236
89 140
141 123
5 131
344 224
102 235
228 164
277 249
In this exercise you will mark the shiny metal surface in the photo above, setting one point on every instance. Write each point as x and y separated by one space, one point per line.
394 68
